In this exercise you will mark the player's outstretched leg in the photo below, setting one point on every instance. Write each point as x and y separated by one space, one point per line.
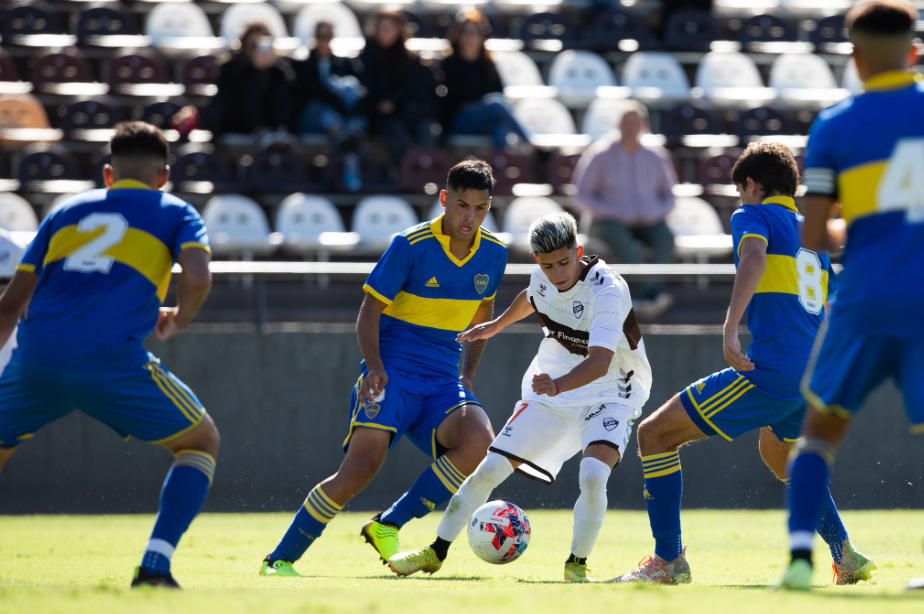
849 564
467 433
590 508
184 491
364 457
474 492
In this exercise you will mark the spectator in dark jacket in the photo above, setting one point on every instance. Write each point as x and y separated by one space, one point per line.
471 92
254 87
400 91
328 92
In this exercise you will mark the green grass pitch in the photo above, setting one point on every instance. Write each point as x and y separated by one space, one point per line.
80 564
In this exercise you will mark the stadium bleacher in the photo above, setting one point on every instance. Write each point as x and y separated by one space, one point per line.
70 70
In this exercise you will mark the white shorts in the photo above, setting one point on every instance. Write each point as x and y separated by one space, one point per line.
542 438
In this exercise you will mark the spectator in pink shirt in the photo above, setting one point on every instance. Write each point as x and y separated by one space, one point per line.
626 190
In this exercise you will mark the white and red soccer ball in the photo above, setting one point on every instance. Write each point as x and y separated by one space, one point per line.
498 532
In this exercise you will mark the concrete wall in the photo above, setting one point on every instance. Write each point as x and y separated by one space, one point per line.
280 399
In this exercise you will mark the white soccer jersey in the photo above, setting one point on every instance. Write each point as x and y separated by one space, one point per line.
597 311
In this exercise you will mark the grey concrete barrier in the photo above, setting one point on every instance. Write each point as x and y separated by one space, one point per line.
280 397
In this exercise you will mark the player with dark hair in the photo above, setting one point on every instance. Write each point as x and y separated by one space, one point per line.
435 280
867 153
88 291
783 287
582 392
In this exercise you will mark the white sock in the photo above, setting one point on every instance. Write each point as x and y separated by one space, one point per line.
590 507
474 492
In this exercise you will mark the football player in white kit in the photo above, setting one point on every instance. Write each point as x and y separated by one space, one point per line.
582 392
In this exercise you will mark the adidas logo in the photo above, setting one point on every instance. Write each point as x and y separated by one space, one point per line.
648 495
699 387
432 283
430 505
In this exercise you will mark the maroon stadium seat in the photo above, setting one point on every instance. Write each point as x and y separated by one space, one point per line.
90 120
762 121
200 169
141 72
423 171
278 169
561 170
685 119
829 34
65 73
10 81
199 75
715 170
509 170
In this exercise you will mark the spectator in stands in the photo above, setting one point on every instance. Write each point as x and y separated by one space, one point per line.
471 95
400 90
626 190
328 91
254 87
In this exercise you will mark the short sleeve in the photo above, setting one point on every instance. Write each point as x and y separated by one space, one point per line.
34 258
745 223
391 271
820 176
495 281
191 233
607 319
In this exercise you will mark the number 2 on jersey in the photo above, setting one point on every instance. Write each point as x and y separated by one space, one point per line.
902 184
89 258
809 275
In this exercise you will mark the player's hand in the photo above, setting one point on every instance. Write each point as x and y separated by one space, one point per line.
733 356
167 323
544 384
373 385
485 330
467 382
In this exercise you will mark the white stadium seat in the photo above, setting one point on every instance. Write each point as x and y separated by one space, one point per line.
814 8
577 75
697 229
312 224
804 80
524 211
602 117
654 76
730 78
547 122
16 214
851 81
348 34
239 16
10 256
179 26
237 226
379 218
520 76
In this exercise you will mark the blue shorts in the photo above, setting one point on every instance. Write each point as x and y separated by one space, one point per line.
848 366
728 404
150 403
414 405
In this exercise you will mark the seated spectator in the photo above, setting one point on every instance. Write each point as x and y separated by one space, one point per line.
400 91
626 189
328 92
254 87
471 95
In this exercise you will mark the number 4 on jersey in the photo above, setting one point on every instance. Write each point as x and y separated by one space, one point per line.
902 184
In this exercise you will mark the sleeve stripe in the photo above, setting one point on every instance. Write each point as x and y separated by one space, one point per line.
753 235
819 180
195 245
370 290
25 267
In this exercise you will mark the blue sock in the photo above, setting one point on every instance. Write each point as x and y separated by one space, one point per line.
184 491
435 486
831 527
663 489
307 526
808 474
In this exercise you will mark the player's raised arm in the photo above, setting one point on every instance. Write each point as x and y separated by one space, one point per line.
14 301
192 290
485 329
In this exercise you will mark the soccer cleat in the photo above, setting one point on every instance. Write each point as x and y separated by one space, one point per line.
915 584
655 570
383 537
278 567
797 577
855 566
575 572
143 577
407 563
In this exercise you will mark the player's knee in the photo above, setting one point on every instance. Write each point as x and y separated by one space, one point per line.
594 475
209 439
648 435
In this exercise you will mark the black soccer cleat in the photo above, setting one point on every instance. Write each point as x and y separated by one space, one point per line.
143 577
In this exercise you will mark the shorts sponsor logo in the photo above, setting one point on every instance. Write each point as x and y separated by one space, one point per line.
481 283
594 414
610 423
372 410
578 309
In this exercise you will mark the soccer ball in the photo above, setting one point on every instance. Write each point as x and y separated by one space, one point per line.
498 532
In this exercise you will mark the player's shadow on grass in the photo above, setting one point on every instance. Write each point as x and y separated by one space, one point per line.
431 579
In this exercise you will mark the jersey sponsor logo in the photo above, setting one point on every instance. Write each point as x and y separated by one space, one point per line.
578 309
481 283
372 410
575 341
610 423
432 283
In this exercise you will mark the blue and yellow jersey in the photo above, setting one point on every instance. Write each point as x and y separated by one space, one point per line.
432 296
103 259
789 305
867 152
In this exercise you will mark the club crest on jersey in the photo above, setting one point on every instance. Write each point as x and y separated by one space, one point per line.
481 283
372 410
578 309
